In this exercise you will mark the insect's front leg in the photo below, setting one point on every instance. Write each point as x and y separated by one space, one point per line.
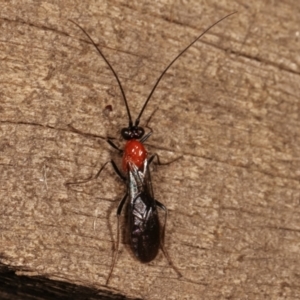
145 137
111 143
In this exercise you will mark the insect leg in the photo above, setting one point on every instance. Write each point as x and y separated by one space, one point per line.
164 250
116 250
117 171
159 162
114 145
144 138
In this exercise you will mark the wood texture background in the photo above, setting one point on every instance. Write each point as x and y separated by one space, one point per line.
230 106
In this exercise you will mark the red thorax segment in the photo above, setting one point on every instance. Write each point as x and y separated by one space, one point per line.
135 153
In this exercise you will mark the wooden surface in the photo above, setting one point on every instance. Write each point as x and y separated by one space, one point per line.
230 106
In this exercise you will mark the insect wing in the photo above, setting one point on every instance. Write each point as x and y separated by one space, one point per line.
144 224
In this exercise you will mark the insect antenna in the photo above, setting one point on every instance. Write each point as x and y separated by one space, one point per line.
172 62
137 121
111 68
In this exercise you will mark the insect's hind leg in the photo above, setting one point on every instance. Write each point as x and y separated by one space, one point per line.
116 250
164 250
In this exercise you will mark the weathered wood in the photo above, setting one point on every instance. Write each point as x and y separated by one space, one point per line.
230 106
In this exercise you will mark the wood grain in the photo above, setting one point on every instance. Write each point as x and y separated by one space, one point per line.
230 106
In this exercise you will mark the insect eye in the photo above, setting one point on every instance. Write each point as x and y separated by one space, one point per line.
126 134
139 132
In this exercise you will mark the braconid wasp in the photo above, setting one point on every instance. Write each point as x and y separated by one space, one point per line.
146 235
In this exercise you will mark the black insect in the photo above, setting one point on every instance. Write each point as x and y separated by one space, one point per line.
146 234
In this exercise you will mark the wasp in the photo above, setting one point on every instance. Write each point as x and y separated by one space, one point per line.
145 232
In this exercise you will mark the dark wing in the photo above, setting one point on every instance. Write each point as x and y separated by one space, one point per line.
144 224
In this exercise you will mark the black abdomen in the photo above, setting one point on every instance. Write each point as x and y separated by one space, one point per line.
144 229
